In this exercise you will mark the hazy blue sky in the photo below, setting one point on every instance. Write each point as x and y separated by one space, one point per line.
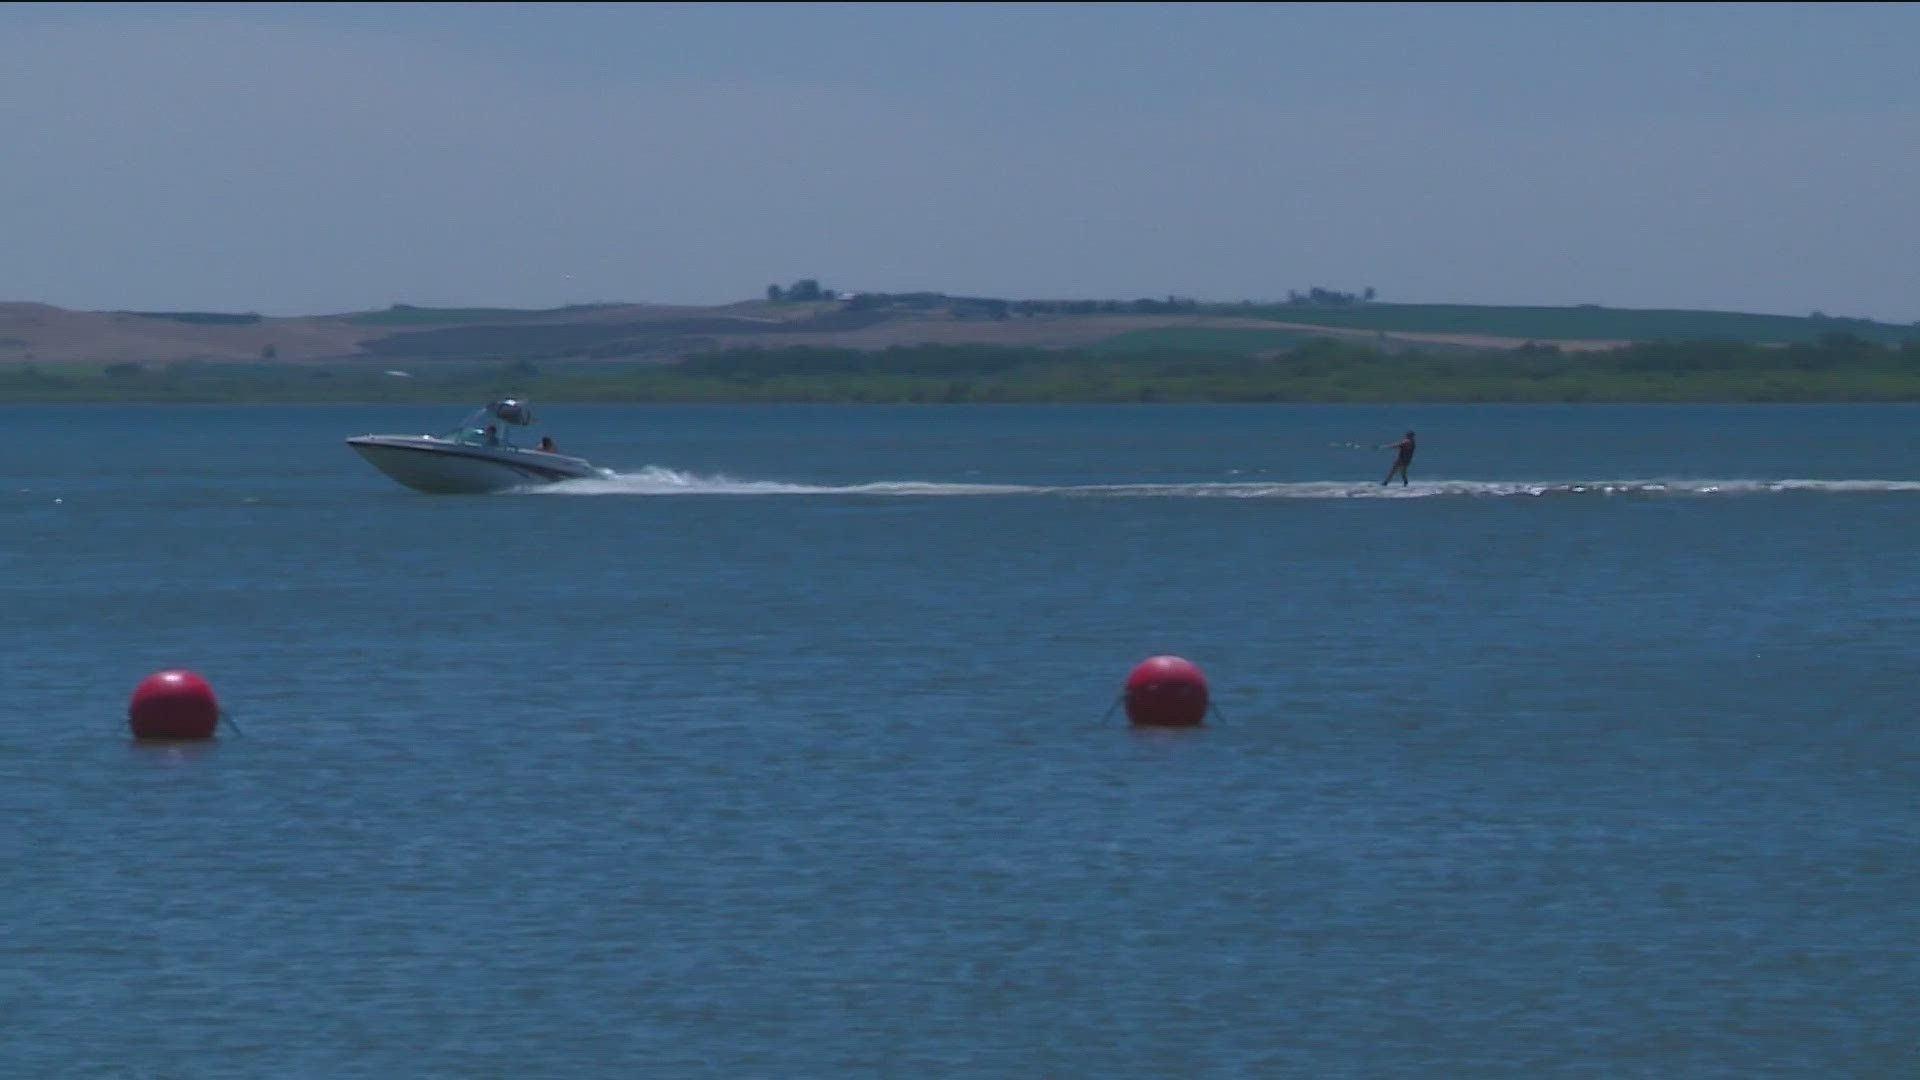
293 158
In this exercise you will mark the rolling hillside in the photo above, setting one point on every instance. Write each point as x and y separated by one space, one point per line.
48 337
1588 323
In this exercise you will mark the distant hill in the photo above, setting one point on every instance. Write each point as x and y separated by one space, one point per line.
46 336
1589 323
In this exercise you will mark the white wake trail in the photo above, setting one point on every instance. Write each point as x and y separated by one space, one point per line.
658 481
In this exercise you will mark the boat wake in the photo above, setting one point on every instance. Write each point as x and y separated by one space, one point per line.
656 481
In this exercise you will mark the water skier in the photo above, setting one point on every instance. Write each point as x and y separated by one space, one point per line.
1400 463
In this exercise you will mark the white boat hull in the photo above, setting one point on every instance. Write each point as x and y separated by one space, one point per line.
444 467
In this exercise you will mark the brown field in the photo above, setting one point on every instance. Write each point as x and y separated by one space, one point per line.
51 337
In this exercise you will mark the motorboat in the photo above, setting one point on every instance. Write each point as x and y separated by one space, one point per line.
478 456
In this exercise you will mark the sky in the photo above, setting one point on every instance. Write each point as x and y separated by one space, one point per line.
315 158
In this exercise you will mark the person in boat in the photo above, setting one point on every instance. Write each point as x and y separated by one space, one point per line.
491 436
547 446
1401 461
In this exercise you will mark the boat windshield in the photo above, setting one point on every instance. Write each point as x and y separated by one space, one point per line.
473 430
472 436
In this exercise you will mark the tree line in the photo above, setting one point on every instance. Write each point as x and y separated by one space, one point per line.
1837 368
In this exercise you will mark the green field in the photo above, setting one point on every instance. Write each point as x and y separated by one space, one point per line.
199 318
1838 369
419 316
1577 323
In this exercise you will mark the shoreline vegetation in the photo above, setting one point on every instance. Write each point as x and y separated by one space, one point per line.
1839 367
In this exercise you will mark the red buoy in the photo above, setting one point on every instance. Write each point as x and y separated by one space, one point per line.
1166 691
173 705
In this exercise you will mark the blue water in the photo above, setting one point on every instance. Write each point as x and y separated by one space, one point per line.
1593 752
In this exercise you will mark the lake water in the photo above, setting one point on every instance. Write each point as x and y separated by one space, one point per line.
784 753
